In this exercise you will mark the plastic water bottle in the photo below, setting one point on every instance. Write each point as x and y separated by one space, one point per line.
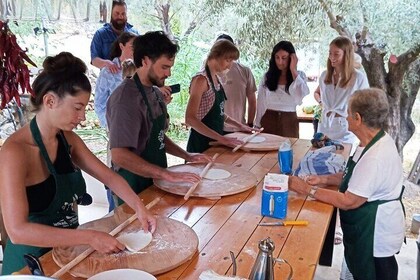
285 157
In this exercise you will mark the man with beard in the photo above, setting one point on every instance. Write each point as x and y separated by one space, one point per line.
137 118
106 35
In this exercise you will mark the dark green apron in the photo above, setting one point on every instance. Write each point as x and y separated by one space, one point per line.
154 152
214 119
60 212
359 226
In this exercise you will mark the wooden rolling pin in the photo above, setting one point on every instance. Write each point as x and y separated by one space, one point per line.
247 139
89 251
202 174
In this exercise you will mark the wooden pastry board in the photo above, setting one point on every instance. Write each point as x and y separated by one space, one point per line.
173 244
271 143
240 180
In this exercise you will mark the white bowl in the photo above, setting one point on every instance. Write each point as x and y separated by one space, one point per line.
123 274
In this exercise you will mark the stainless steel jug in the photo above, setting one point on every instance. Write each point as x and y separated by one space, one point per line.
263 268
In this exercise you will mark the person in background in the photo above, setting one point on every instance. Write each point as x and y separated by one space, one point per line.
40 170
239 86
282 88
107 81
205 110
318 109
103 38
370 191
336 85
137 118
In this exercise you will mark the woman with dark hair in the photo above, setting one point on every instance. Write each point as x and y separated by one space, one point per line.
205 109
107 81
40 170
280 91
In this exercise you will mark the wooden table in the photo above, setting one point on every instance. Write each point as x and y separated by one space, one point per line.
231 224
304 117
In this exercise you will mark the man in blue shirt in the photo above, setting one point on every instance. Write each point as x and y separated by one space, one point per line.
106 35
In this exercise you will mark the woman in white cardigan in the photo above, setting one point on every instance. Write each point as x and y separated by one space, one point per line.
280 91
336 85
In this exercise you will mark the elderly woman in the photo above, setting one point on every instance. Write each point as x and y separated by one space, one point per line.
369 197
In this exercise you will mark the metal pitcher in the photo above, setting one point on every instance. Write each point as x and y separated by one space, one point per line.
263 268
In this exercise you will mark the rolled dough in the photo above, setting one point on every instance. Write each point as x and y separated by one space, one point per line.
257 139
217 174
135 241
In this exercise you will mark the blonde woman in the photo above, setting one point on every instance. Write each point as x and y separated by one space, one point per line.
205 109
336 85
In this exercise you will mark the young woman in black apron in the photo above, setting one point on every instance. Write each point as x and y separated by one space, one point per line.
370 192
205 112
41 170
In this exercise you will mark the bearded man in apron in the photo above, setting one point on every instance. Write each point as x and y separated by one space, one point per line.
370 192
138 119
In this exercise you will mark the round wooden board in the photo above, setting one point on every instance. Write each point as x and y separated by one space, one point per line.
173 244
271 143
240 180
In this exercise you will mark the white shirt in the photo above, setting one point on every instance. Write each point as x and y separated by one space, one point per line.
335 99
379 176
280 100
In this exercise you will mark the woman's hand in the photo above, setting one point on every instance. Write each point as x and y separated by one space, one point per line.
299 185
147 220
247 128
105 243
293 62
230 142
314 180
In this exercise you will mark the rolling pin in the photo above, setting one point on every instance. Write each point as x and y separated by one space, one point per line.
202 174
247 139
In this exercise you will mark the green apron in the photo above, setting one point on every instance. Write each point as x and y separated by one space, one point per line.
359 226
59 213
154 152
214 119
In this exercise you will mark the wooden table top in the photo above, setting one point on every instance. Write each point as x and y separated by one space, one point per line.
231 223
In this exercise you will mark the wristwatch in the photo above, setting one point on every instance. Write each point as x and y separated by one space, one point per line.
312 192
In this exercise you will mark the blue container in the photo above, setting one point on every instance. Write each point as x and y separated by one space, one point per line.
285 157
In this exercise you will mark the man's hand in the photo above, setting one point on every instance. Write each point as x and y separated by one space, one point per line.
195 157
181 177
167 94
112 67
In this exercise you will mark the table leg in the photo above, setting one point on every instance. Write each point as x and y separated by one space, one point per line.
328 247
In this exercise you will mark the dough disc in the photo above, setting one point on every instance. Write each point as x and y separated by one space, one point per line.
135 241
257 139
217 174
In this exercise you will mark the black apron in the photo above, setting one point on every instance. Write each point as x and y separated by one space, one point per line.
214 119
359 226
154 152
60 213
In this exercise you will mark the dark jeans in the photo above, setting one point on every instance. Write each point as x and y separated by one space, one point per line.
110 197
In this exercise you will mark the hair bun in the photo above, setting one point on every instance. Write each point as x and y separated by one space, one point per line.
64 63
